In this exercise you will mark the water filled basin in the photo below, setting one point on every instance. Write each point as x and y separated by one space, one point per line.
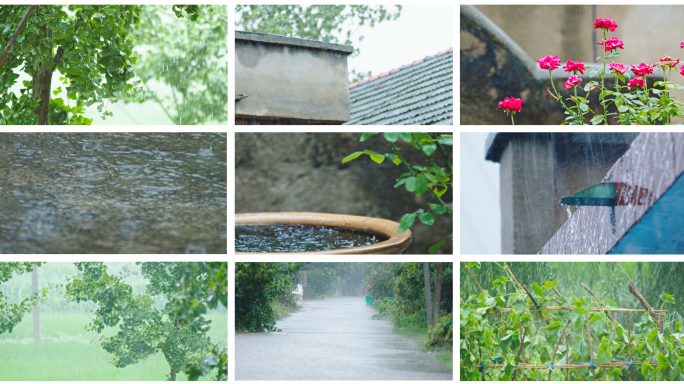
306 232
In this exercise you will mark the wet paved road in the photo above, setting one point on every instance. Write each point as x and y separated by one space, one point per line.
334 339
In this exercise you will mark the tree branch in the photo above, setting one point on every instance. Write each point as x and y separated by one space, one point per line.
11 42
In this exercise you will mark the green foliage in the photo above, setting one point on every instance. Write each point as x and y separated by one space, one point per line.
143 330
88 44
405 283
187 55
441 333
202 286
12 313
486 334
420 178
320 276
256 286
314 22
201 363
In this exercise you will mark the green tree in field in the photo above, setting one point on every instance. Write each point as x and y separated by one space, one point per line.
11 314
314 22
257 285
189 56
143 330
89 45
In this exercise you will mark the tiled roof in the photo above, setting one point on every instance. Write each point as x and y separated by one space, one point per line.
420 93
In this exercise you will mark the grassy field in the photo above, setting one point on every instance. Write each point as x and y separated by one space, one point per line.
65 352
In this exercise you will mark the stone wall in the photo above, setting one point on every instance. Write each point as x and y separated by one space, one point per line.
303 172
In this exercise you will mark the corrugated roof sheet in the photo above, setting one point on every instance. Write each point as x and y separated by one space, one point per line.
420 93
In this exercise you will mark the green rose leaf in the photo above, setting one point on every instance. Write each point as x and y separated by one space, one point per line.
421 185
350 157
427 218
366 135
406 222
391 136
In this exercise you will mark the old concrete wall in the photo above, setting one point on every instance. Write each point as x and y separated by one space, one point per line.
538 169
527 194
648 31
289 172
284 80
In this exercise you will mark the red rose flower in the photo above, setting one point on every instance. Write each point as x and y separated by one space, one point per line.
642 69
611 43
572 81
636 81
511 104
681 45
682 72
574 66
549 62
617 67
667 61
606 23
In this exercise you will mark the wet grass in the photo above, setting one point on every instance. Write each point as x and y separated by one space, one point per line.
414 327
282 311
66 353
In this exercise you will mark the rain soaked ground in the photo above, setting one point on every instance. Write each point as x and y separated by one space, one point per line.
113 193
334 339
298 238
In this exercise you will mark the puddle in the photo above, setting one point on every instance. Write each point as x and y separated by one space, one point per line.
113 193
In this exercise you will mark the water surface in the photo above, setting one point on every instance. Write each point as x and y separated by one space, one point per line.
334 339
298 238
113 193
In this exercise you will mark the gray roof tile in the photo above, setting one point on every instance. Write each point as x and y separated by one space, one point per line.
418 94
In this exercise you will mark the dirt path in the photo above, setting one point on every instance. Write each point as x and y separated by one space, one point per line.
334 339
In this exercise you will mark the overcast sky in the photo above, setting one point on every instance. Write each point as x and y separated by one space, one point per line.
421 30
480 207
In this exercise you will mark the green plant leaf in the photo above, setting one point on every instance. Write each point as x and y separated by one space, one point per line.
549 284
429 149
427 218
584 107
411 184
366 135
667 298
350 157
405 136
391 136
647 370
406 222
437 208
421 185
437 246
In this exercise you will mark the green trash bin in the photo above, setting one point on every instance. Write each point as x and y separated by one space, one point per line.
368 300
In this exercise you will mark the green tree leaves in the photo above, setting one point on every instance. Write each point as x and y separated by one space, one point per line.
144 330
314 22
11 314
256 286
187 56
420 179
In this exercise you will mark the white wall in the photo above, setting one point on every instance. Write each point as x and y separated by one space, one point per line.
480 208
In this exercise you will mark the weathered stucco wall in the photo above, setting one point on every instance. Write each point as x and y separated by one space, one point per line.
287 78
648 31
303 172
